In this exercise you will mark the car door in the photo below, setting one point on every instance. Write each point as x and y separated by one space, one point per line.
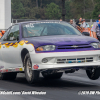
1 55
10 48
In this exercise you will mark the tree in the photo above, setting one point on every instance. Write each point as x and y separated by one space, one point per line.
68 9
82 8
53 11
18 10
37 3
96 10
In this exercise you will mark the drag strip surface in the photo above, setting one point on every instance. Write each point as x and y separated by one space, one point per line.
66 88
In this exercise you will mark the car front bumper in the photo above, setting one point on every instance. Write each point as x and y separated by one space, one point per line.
63 60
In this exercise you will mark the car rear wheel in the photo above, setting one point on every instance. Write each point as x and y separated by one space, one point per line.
93 73
52 76
8 76
31 75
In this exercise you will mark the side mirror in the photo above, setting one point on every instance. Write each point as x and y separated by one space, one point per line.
86 33
18 38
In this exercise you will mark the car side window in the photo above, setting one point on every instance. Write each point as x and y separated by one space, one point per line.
11 34
4 37
14 33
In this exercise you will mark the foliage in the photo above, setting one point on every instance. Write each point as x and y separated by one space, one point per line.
51 9
68 9
96 10
17 9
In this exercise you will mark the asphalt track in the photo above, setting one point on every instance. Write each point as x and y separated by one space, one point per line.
66 88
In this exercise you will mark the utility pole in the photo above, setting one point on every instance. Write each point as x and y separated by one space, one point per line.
63 10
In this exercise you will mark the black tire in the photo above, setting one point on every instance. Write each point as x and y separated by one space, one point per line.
8 76
31 75
93 73
52 76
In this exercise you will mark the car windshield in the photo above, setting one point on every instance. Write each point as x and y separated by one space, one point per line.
48 28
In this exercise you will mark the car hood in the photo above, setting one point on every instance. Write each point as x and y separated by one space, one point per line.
60 40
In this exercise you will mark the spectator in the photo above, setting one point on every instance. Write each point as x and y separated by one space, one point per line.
87 25
96 28
83 24
72 23
78 23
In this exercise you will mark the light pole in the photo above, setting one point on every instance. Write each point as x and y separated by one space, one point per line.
63 10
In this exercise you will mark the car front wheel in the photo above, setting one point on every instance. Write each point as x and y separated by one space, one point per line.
93 73
31 75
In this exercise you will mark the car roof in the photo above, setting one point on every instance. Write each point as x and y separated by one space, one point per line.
40 21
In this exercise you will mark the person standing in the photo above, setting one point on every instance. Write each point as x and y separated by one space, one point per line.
72 23
78 23
83 24
96 29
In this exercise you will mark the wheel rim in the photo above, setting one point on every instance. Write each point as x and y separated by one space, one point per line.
29 68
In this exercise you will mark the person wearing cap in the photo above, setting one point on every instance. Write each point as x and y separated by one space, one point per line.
83 24
96 29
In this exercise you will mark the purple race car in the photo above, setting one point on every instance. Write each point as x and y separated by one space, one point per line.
47 47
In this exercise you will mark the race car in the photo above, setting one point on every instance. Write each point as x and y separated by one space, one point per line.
48 47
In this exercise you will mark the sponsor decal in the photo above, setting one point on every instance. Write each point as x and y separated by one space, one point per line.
17 69
36 66
3 70
6 70
11 70
20 69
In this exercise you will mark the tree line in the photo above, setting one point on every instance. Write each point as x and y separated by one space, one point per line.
52 9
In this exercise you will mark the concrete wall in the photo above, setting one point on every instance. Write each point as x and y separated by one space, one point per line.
5 14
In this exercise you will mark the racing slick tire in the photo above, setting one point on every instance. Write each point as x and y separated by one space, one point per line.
93 73
8 76
31 75
52 76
